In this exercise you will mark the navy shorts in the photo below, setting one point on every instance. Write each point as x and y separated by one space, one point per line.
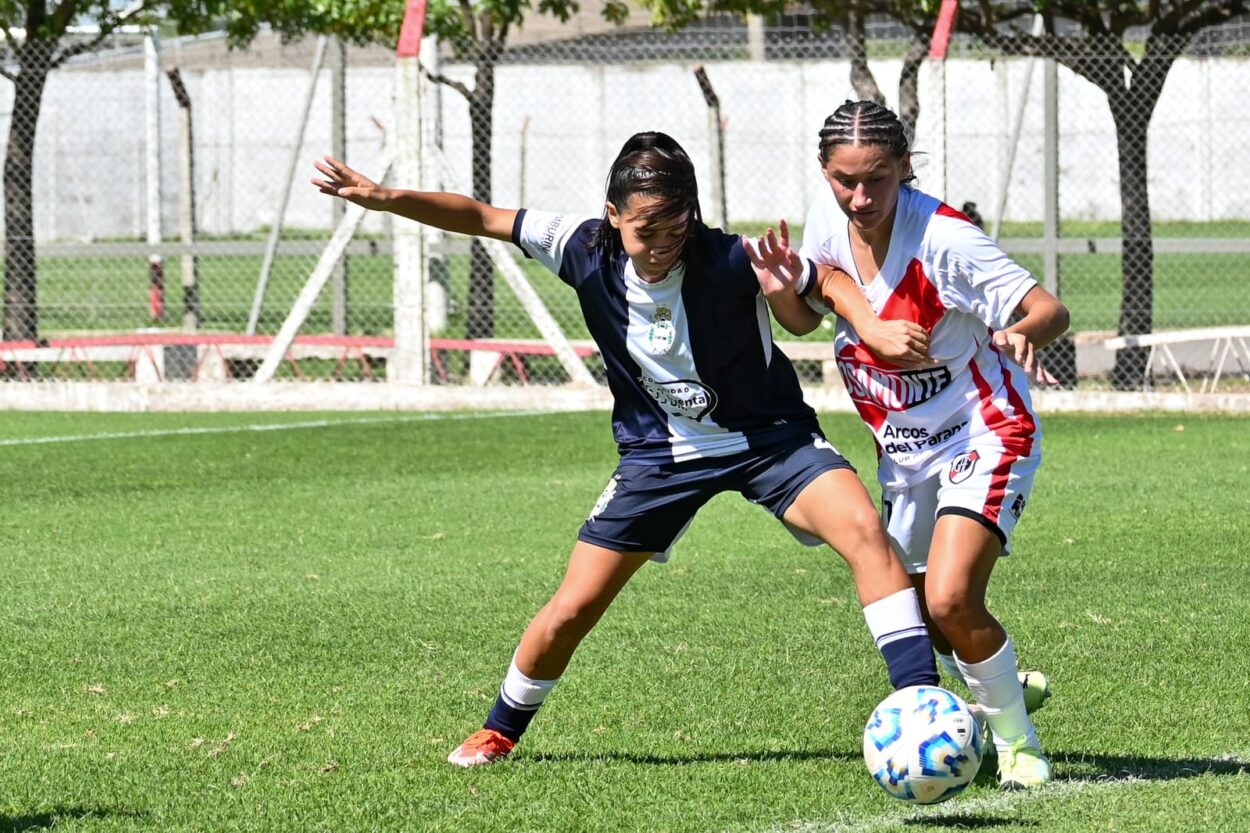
647 508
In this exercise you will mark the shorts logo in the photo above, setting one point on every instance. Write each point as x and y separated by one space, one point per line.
820 442
1017 507
661 335
962 467
681 397
609 492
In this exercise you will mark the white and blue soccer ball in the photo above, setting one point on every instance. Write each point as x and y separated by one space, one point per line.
922 745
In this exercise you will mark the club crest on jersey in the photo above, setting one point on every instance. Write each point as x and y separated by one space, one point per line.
661 335
609 492
961 468
681 397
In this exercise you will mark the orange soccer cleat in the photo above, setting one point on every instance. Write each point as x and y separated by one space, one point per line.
484 746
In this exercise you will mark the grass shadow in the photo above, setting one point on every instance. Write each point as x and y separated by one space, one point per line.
1082 766
971 822
1076 766
53 818
752 757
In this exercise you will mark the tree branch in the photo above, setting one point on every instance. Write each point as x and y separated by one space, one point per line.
439 78
1190 18
466 15
107 25
78 49
62 16
1152 70
862 79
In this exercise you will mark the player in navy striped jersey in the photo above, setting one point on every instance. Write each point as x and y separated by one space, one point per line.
704 403
959 442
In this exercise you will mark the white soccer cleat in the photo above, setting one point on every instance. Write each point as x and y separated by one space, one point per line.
1036 690
1023 767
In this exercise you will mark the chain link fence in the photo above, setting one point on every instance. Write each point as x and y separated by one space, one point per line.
114 291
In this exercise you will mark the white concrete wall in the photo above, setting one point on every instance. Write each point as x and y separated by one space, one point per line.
90 155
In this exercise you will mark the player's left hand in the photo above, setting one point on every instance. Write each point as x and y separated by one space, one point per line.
1021 351
777 267
341 181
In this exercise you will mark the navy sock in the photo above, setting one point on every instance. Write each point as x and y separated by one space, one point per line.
509 720
910 661
902 638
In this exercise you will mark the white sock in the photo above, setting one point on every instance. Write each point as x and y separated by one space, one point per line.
524 692
951 665
895 617
995 686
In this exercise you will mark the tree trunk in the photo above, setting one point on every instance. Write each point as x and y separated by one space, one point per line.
862 79
481 302
1132 121
21 307
908 83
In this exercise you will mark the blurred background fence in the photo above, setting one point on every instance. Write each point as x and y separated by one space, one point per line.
179 294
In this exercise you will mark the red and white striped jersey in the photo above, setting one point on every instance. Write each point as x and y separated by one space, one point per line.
945 274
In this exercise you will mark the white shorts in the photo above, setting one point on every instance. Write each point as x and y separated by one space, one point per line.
988 485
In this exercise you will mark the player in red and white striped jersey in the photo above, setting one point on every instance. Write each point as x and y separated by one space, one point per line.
958 440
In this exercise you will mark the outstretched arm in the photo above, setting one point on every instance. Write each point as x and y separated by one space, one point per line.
450 212
1043 319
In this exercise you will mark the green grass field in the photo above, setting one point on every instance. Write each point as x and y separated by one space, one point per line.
288 630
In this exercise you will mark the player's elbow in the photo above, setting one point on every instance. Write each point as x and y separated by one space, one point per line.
800 328
1063 318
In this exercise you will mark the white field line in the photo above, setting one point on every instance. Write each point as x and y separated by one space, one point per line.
956 808
272 426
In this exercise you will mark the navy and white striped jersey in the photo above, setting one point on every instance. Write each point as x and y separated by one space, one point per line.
690 359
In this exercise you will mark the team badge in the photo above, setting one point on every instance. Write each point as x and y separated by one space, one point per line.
961 468
609 492
1017 507
661 334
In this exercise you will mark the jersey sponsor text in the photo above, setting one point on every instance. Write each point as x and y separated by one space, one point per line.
681 397
894 390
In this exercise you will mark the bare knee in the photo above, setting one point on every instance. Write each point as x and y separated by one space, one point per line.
954 609
865 539
569 617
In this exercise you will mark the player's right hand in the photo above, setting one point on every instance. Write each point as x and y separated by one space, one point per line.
342 181
903 344
778 268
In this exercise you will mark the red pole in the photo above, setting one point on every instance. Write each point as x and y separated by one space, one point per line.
412 29
942 29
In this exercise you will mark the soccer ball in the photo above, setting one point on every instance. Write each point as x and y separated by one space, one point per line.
922 745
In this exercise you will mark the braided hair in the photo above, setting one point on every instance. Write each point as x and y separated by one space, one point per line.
864 123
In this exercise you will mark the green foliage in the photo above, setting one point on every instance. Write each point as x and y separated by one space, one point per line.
379 21
49 22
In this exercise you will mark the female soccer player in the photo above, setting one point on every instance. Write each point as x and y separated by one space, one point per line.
704 403
958 440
